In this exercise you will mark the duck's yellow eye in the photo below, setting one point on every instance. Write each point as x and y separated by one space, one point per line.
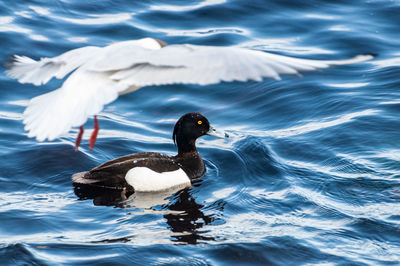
199 122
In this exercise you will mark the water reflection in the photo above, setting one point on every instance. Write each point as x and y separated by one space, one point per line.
184 216
101 196
188 219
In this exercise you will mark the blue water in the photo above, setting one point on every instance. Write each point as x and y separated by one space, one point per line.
309 175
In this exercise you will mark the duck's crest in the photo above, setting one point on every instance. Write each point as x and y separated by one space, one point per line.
176 127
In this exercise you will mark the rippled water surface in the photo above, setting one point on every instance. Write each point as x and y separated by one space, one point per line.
309 175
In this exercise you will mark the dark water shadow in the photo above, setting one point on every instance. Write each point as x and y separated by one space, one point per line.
184 216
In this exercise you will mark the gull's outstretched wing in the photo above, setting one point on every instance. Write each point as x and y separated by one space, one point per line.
100 74
27 70
192 64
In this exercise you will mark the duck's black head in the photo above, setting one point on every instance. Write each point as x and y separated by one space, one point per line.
188 128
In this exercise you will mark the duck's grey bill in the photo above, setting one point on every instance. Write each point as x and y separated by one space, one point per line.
218 134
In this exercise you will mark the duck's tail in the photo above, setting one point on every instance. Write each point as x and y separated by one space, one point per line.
80 178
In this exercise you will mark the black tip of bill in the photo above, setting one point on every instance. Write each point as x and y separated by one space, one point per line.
218 134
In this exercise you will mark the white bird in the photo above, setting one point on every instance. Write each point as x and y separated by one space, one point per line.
100 74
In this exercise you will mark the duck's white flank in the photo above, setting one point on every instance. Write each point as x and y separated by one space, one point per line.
143 179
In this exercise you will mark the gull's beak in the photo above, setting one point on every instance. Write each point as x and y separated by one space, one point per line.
218 134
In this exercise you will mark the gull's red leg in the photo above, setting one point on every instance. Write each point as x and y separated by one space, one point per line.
79 138
93 137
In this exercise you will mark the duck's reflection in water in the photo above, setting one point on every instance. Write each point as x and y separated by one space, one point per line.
188 219
181 211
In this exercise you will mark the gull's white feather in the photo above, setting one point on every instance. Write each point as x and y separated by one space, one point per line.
100 74
192 64
27 70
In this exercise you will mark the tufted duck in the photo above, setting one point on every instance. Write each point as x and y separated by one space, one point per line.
150 171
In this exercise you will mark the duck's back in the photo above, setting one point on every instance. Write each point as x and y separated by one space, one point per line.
114 173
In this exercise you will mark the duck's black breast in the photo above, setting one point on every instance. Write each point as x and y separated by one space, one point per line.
112 173
191 163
